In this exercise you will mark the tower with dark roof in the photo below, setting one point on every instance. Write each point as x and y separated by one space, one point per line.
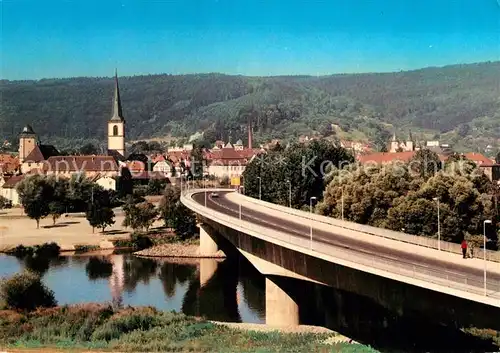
27 142
116 125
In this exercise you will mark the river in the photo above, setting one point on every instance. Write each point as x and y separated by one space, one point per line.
216 289
232 290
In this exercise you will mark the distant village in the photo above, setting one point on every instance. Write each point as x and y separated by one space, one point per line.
223 160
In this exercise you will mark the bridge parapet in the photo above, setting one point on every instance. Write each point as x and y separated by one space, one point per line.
379 232
421 276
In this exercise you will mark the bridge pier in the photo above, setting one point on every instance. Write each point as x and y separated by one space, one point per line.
281 308
208 246
208 267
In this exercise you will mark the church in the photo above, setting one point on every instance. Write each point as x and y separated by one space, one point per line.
37 158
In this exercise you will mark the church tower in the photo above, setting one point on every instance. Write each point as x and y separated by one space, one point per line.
27 142
116 125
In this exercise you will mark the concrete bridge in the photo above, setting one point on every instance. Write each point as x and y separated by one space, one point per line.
289 246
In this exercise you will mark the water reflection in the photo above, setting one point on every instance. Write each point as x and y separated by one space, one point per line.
215 289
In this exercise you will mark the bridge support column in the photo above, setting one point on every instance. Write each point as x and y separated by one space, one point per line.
281 308
207 270
208 246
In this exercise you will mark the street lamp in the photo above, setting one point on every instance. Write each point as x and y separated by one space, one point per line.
205 189
289 193
313 198
342 203
260 187
487 221
439 223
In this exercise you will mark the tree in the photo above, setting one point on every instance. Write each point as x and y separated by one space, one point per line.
156 186
99 213
139 216
176 215
168 205
88 149
58 202
35 193
197 162
474 241
497 158
26 291
425 163
302 166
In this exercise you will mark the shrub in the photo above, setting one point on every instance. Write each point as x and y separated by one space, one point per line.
5 203
44 250
25 291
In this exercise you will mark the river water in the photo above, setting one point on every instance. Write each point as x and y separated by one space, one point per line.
216 289
232 290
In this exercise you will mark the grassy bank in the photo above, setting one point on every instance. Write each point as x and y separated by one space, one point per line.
100 327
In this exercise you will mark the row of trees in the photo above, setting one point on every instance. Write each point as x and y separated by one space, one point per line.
140 215
297 170
43 196
406 197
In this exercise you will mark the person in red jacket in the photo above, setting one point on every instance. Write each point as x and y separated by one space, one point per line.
464 248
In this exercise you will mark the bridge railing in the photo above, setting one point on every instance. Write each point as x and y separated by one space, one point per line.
346 257
379 232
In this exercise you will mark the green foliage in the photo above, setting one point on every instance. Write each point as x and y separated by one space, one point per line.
139 216
5 203
426 163
35 192
197 163
176 215
92 327
303 166
99 213
58 202
156 186
25 291
399 197
461 100
44 250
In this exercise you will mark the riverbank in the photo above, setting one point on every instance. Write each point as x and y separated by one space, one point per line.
181 250
98 327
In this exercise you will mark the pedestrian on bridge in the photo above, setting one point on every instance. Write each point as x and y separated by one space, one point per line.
464 248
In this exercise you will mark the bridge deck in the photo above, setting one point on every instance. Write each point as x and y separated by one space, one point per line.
425 266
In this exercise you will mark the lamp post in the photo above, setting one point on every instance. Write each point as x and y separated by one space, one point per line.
260 187
487 221
439 222
342 203
205 189
289 193
313 198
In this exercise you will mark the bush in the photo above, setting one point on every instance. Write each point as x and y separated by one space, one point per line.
25 291
140 241
5 203
44 250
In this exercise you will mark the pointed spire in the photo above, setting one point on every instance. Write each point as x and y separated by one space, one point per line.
117 104
410 136
394 136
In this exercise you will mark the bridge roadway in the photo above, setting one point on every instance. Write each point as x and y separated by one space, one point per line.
444 270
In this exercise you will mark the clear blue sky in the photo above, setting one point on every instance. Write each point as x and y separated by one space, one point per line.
55 38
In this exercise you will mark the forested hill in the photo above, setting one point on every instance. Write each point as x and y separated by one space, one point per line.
460 102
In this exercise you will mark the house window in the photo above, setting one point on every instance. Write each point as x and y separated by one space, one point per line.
115 130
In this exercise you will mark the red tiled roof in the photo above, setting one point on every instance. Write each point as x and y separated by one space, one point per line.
478 158
386 157
81 163
41 153
11 182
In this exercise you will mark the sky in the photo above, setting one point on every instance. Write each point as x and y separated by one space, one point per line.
62 38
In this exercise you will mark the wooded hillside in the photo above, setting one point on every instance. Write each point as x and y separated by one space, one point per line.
459 102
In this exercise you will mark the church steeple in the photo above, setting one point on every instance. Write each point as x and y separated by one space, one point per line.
116 125
117 103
